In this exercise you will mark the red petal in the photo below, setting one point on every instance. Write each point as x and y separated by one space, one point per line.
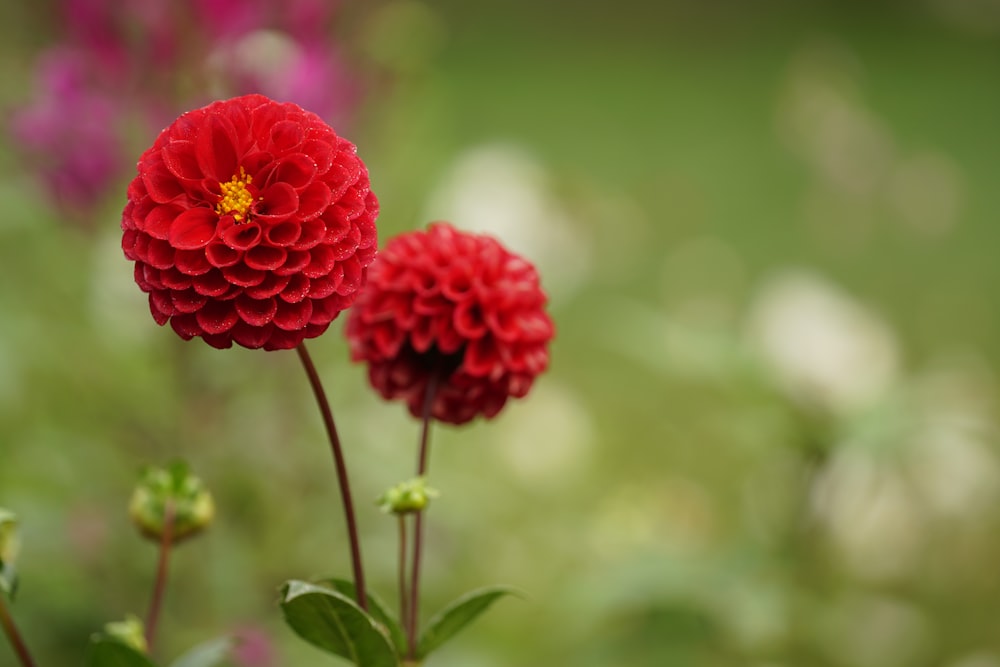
292 316
242 236
283 340
188 301
212 284
278 202
314 200
186 326
158 315
251 336
161 185
270 286
265 258
481 357
160 254
191 262
286 135
221 255
296 260
324 286
353 277
311 234
468 320
179 158
174 279
217 317
256 312
321 152
193 228
321 262
215 148
242 275
298 288
297 170
283 234
158 221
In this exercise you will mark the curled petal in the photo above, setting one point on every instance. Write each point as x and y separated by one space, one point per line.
256 312
278 202
193 228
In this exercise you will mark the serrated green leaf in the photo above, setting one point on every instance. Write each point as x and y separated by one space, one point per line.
108 652
376 608
207 654
453 618
333 622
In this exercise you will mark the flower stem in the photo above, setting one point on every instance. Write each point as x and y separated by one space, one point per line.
418 521
162 569
345 488
404 609
16 641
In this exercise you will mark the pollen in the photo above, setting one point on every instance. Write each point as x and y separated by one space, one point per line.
236 197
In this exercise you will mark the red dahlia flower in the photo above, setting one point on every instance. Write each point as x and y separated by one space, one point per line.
250 221
457 307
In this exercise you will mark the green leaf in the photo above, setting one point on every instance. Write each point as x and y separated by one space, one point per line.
208 654
108 652
376 608
334 622
450 620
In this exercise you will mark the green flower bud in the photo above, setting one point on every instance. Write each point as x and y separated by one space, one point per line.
10 544
192 504
407 497
130 632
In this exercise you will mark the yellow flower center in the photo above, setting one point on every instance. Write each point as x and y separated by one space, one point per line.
236 197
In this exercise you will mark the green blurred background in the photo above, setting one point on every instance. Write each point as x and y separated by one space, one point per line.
769 434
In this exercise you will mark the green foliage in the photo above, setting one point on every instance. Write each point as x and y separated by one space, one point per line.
376 608
453 618
335 623
107 651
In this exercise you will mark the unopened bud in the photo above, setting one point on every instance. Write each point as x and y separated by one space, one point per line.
130 632
175 487
10 544
407 497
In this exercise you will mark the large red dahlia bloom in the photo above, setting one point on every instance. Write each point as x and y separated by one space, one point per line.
250 221
456 307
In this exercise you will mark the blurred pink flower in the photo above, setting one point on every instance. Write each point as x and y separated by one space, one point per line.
253 648
69 131
135 64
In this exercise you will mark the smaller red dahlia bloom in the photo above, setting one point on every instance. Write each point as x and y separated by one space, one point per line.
250 221
457 307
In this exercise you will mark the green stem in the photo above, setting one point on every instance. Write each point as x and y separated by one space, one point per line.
338 459
16 641
404 609
418 521
162 570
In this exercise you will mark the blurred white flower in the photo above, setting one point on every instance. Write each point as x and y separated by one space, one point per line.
547 438
504 191
824 348
822 118
927 192
872 514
